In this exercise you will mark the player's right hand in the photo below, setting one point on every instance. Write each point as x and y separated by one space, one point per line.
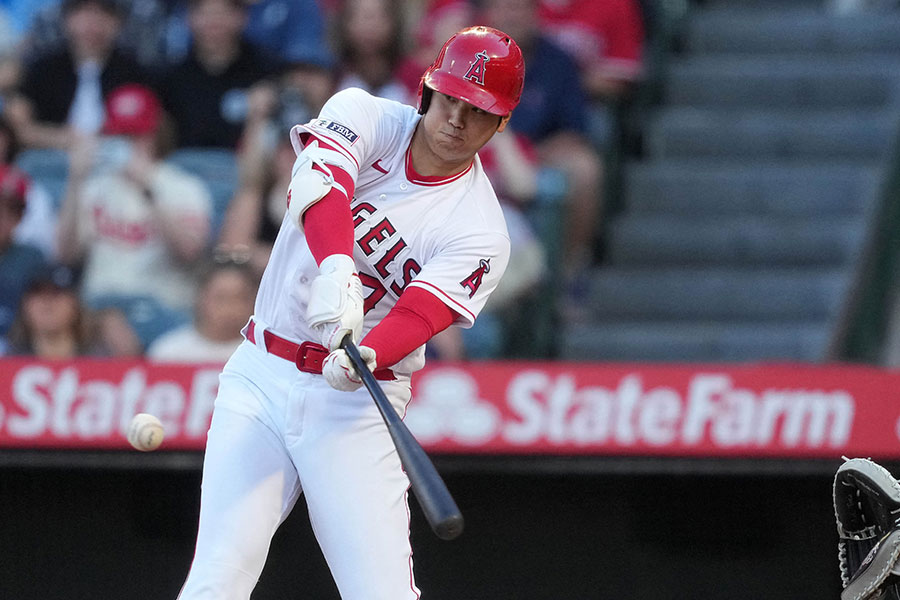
339 371
336 302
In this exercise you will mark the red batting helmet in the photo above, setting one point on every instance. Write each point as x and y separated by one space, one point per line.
479 65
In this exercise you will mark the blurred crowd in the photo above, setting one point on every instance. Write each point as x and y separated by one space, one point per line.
144 155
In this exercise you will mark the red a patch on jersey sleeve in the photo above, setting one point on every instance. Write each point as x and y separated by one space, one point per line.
473 281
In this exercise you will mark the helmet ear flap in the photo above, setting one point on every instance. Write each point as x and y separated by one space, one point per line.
425 99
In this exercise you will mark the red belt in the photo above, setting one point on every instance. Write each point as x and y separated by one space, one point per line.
308 356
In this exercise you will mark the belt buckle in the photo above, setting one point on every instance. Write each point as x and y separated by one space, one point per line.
310 357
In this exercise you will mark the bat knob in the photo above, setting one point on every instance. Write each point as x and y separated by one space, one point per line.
450 527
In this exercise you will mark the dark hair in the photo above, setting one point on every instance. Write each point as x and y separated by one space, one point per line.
113 7
396 12
20 334
223 260
240 4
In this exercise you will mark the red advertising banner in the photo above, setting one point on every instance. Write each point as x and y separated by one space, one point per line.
763 410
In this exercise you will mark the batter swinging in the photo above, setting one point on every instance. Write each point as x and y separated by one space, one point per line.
392 234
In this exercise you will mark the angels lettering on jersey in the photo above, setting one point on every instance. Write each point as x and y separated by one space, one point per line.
369 242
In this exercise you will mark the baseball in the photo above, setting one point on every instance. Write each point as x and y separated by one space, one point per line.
145 432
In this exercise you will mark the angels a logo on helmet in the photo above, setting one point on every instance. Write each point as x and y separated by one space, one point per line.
473 281
477 68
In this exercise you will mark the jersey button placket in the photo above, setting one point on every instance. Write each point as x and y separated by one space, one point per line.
404 186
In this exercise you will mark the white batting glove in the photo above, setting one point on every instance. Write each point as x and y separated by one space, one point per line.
336 302
339 372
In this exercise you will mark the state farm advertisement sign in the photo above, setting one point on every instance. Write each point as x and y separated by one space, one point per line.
513 407
771 410
89 404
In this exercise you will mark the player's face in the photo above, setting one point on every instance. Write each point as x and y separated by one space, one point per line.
456 130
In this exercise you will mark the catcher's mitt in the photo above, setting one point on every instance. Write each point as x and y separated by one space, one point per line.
867 510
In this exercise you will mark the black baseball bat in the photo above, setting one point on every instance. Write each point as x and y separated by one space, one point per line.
438 505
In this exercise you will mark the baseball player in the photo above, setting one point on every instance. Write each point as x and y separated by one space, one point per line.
392 234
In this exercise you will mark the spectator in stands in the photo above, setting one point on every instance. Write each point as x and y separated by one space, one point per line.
38 225
63 92
440 20
207 93
138 228
370 38
18 262
295 95
304 86
292 31
224 304
51 323
606 39
142 35
266 158
553 114
255 214
511 164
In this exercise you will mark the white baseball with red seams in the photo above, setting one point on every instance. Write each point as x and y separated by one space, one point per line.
277 431
145 432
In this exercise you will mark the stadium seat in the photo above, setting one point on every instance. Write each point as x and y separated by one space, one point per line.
48 167
218 169
146 315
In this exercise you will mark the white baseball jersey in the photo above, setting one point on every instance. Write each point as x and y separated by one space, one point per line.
277 431
446 235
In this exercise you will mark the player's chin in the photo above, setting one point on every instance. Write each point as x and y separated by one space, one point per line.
448 154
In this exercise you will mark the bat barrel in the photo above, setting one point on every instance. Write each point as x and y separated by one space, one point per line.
437 504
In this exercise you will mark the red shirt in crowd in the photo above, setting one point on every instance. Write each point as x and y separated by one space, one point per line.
605 33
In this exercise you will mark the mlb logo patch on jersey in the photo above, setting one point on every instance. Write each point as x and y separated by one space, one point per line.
342 130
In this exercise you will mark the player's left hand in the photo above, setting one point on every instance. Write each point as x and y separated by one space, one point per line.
336 302
339 372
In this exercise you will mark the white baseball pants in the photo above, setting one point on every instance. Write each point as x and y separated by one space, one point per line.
277 432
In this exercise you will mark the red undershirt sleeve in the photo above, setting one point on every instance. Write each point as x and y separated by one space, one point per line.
415 319
328 224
